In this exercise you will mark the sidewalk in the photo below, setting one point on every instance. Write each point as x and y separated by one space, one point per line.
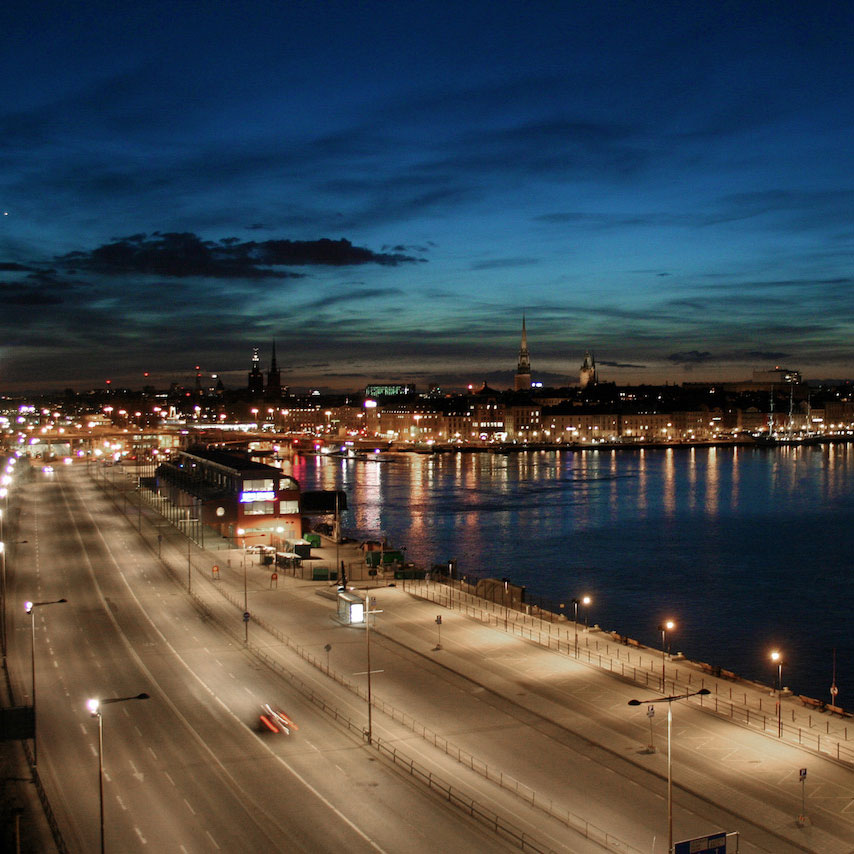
740 700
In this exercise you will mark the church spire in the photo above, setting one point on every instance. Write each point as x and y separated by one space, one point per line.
523 370
274 378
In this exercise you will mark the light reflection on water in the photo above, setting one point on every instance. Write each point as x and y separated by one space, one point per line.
745 547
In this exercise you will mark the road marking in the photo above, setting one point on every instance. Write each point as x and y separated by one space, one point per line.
83 728
249 691
213 840
142 839
92 748
169 778
151 751
189 807
121 803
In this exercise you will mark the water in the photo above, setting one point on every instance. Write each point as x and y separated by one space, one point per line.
746 549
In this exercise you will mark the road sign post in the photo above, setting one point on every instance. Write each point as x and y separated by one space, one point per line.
803 819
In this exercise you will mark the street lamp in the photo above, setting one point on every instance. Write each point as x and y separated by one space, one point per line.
240 533
666 626
30 608
777 658
584 600
94 707
370 601
669 701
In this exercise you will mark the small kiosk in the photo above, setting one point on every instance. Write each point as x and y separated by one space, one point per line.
351 609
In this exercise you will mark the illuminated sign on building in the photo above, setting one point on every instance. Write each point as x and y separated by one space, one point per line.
246 497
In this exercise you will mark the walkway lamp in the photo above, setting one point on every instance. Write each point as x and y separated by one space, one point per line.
30 608
777 658
584 600
669 701
666 626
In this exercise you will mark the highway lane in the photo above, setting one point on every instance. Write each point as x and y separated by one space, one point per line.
186 770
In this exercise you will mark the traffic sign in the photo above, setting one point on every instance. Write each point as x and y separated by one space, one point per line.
803 774
246 616
715 844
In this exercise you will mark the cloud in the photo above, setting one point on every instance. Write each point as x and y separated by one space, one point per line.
504 263
181 255
767 355
690 357
356 295
601 363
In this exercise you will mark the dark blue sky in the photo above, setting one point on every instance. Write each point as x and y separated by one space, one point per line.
384 187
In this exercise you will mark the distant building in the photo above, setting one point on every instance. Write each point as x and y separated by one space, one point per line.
256 377
587 374
389 390
522 381
777 376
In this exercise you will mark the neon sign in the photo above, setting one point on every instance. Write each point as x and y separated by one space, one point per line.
246 497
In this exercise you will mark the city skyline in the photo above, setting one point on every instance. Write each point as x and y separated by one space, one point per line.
385 189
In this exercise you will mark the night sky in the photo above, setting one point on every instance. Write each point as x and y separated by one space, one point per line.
384 188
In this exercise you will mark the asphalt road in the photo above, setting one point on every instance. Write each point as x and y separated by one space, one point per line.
187 769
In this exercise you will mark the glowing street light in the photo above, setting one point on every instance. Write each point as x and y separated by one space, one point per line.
777 658
666 626
94 707
30 608
669 701
584 600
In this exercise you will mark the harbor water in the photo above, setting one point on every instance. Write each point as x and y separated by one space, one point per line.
746 549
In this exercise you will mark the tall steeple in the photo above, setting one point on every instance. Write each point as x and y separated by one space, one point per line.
274 378
523 370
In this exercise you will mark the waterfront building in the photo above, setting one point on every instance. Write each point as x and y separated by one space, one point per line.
244 501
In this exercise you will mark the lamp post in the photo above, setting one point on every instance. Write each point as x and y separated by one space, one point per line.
189 543
777 658
584 600
369 602
669 701
94 707
666 626
2 590
30 608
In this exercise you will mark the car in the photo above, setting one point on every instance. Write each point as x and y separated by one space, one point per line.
47 469
275 720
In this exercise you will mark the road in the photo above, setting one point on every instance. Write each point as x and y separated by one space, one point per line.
187 769
546 724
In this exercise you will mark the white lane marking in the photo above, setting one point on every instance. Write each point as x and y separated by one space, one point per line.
189 807
142 839
151 751
83 728
169 778
213 840
92 748
121 803
249 691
